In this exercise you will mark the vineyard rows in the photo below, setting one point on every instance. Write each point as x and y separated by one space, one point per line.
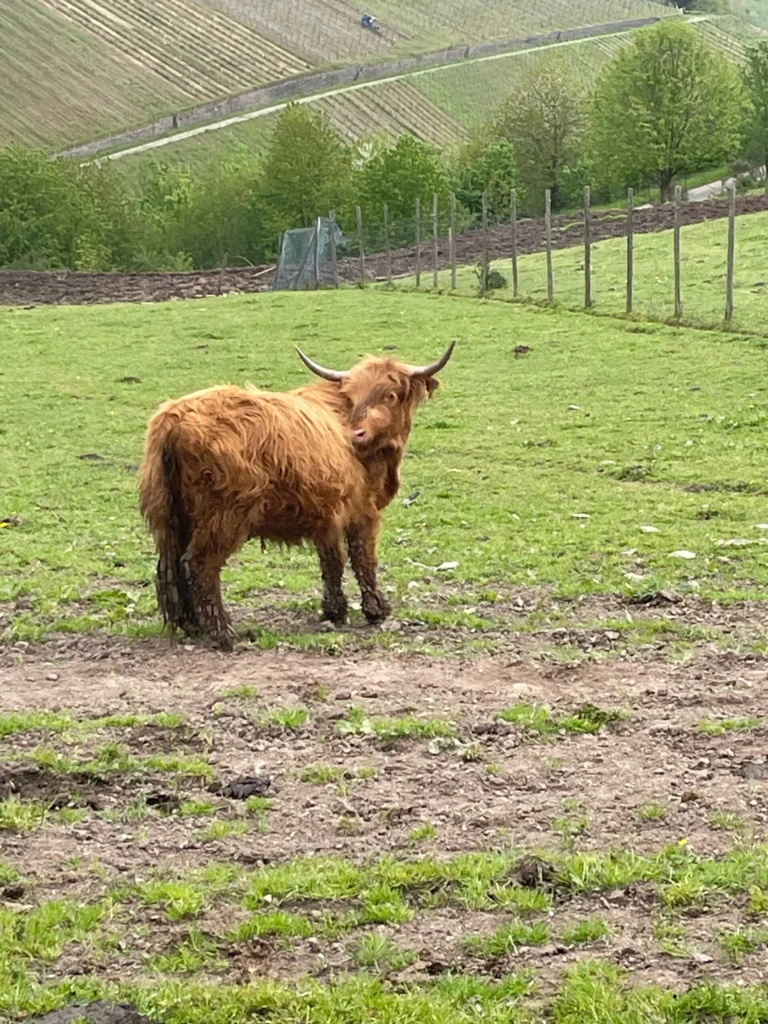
395 107
202 53
59 86
329 30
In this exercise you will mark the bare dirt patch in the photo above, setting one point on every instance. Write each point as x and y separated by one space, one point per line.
651 779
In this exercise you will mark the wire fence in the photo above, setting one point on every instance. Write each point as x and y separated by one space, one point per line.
685 261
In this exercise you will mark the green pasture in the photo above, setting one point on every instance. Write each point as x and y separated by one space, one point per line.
702 272
583 466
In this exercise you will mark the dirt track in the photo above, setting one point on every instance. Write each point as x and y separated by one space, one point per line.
30 288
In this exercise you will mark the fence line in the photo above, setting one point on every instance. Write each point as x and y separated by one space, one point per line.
454 224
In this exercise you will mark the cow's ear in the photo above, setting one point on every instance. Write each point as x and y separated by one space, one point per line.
432 385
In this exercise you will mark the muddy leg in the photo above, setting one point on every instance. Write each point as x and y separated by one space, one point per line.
332 560
362 538
203 576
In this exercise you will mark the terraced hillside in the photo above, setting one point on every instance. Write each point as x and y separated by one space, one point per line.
72 70
58 84
323 30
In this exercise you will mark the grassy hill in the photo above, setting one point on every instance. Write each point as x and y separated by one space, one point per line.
71 70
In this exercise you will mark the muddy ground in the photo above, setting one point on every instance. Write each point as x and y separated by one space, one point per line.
572 792
31 288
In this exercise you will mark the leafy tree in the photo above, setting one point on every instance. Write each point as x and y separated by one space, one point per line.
398 175
307 171
755 76
544 121
668 104
488 165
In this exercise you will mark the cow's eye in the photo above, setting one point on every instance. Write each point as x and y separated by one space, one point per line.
392 397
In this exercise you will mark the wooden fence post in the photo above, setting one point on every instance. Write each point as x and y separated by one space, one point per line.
453 242
387 249
435 233
334 254
630 247
678 297
361 245
548 238
731 252
418 242
484 274
220 282
587 247
513 220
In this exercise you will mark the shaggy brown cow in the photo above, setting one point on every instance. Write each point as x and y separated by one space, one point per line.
227 464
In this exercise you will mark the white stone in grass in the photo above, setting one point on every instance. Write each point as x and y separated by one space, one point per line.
682 554
447 566
649 529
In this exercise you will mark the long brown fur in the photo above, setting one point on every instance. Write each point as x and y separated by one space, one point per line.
227 464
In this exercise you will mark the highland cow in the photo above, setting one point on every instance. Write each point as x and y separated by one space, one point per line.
228 464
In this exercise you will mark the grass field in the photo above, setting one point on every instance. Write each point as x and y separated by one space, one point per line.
601 460
536 796
702 272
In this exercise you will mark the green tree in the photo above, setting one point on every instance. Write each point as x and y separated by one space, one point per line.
544 121
307 171
668 104
755 76
398 175
487 165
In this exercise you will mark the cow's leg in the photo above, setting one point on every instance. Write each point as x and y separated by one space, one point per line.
361 538
202 570
332 559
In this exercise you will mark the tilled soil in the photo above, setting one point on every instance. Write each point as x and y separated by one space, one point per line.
31 288
573 791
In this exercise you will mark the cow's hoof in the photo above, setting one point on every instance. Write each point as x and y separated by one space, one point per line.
376 608
336 612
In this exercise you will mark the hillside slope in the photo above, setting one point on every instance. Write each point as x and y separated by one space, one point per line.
71 70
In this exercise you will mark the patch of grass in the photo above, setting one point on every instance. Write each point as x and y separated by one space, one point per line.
389 730
194 954
725 821
42 933
288 718
281 923
758 901
8 873
652 812
320 774
114 758
540 719
421 833
23 816
381 954
590 929
180 900
63 722
508 938
738 943
719 727
218 830
671 937
196 808
244 691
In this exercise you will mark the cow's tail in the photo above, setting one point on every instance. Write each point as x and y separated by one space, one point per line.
162 506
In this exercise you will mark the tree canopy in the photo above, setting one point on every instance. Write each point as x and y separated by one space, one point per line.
668 104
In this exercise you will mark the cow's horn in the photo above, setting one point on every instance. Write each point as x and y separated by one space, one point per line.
321 371
433 368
